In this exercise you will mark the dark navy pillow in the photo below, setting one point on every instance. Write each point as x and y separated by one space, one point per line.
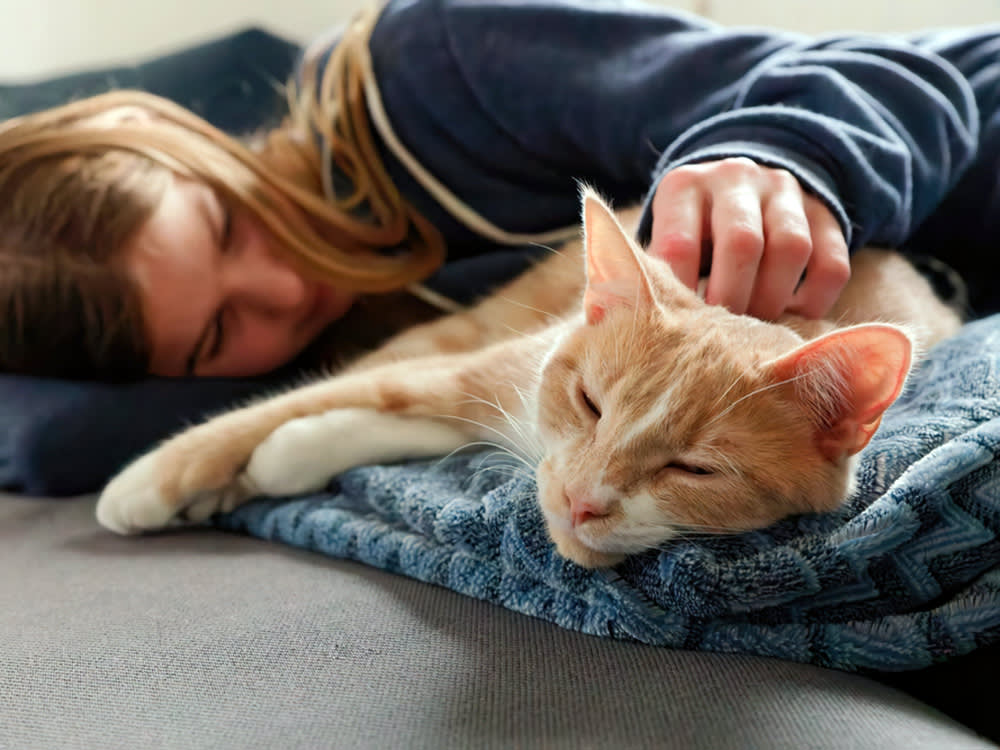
65 438
62 438
233 82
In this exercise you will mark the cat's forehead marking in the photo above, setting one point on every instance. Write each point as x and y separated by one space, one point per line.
653 414
671 380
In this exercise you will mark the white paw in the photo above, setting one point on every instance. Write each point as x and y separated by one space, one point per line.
297 457
131 503
207 503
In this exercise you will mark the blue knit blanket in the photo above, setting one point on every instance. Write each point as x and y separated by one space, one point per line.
905 575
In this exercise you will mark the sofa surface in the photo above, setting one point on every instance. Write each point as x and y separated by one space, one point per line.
202 639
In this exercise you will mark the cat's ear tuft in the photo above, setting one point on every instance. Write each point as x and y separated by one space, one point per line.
615 276
845 380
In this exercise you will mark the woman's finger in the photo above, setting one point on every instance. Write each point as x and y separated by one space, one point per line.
678 218
737 246
787 250
829 267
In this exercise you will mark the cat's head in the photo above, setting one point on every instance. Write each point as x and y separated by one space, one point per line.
661 415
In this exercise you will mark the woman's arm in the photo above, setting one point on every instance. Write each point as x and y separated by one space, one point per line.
964 231
495 96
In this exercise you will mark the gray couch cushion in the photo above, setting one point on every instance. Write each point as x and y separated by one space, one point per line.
201 639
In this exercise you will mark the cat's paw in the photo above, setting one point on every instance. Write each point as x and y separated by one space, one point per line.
131 503
300 456
185 480
135 501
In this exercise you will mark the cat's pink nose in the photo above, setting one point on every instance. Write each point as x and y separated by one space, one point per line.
583 508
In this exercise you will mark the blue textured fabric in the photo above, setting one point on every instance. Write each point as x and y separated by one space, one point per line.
902 577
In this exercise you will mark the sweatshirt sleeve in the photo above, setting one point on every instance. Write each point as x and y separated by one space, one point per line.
512 103
878 129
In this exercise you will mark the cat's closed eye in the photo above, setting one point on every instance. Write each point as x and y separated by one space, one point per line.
688 468
588 402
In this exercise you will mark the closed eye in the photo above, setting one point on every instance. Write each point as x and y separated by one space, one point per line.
223 237
589 403
219 336
218 219
687 468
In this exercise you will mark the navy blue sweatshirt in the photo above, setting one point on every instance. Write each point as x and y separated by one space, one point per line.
964 229
509 103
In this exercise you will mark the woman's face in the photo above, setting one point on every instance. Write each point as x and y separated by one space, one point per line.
217 299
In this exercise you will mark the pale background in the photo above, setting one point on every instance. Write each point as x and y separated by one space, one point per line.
40 37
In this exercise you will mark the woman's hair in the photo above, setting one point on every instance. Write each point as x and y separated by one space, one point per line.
74 189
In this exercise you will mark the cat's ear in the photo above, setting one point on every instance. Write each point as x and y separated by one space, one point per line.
846 380
615 276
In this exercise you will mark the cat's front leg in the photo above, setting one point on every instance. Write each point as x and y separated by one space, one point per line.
383 414
302 455
332 425
201 471
187 478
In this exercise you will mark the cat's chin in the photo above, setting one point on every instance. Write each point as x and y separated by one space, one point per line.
584 556
560 529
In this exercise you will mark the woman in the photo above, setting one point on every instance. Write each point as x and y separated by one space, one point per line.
138 239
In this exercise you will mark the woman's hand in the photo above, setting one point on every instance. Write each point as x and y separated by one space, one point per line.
768 246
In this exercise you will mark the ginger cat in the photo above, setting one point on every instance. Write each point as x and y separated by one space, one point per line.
647 412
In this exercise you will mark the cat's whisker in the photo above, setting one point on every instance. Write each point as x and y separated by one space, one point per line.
509 471
541 246
527 439
678 536
472 398
633 330
480 471
762 389
734 470
513 461
544 313
504 451
525 427
503 458
732 385
528 443
656 536
706 529
520 395
519 465
476 423
536 335
501 412
509 446
459 449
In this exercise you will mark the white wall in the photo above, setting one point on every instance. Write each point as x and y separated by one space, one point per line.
44 36
859 15
38 37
